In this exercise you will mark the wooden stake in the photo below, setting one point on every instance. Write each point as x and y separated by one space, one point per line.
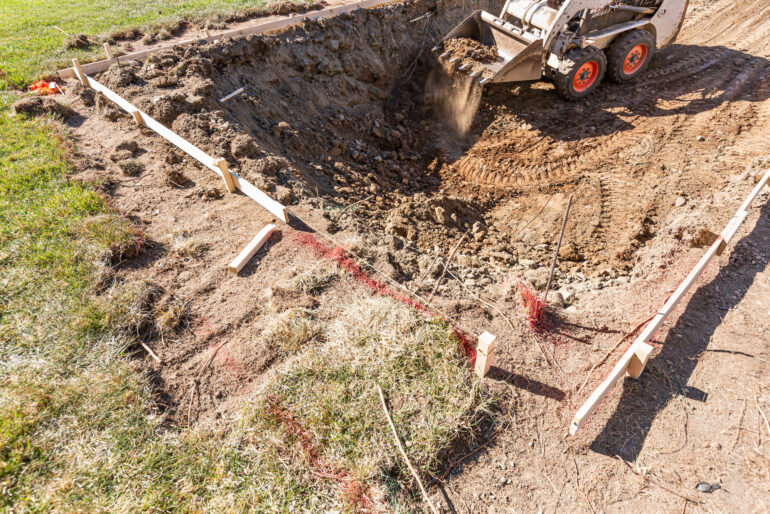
484 354
639 360
137 115
207 32
108 50
82 77
226 176
252 248
556 253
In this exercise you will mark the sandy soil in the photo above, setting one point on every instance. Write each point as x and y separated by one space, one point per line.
334 123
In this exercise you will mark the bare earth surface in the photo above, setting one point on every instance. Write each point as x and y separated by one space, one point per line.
334 124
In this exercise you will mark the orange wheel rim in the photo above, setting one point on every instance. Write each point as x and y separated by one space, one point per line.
585 76
635 59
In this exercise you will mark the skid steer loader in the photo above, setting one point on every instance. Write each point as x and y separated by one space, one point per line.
572 43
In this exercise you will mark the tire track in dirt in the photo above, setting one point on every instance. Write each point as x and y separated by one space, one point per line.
627 135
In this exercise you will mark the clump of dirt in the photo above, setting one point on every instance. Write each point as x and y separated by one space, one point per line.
78 41
210 193
131 168
284 8
130 34
469 50
124 151
40 106
175 177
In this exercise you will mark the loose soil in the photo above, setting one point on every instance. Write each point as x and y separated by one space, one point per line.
334 122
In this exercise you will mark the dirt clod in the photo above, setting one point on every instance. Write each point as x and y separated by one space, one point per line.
39 106
131 168
175 177
209 193
78 41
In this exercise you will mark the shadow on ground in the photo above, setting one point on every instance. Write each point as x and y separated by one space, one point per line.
667 374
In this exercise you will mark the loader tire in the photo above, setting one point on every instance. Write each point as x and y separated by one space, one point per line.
630 54
580 72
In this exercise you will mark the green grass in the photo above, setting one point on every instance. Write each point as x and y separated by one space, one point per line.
77 428
420 368
30 46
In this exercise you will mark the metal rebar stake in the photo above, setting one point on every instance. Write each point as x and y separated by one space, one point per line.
556 253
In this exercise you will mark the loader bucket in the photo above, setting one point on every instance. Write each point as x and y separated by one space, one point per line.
518 59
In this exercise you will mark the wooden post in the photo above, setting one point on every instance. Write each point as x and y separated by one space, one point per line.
79 72
484 354
252 248
226 176
207 32
108 50
137 115
639 360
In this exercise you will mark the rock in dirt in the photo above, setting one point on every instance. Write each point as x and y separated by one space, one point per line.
680 201
40 106
556 298
567 295
705 487
570 252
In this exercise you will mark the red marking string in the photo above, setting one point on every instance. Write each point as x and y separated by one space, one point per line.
345 261
352 490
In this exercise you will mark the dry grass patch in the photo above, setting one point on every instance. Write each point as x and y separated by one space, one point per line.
314 281
433 395
289 331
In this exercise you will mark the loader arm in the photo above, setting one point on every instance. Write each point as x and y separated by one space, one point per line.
568 11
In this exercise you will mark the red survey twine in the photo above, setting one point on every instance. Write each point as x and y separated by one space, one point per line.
345 261
353 491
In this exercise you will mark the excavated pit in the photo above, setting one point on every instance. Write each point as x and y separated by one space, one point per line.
335 112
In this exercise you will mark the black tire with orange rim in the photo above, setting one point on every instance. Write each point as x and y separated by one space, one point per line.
630 54
580 72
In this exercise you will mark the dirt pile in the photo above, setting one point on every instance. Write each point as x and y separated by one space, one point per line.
469 51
